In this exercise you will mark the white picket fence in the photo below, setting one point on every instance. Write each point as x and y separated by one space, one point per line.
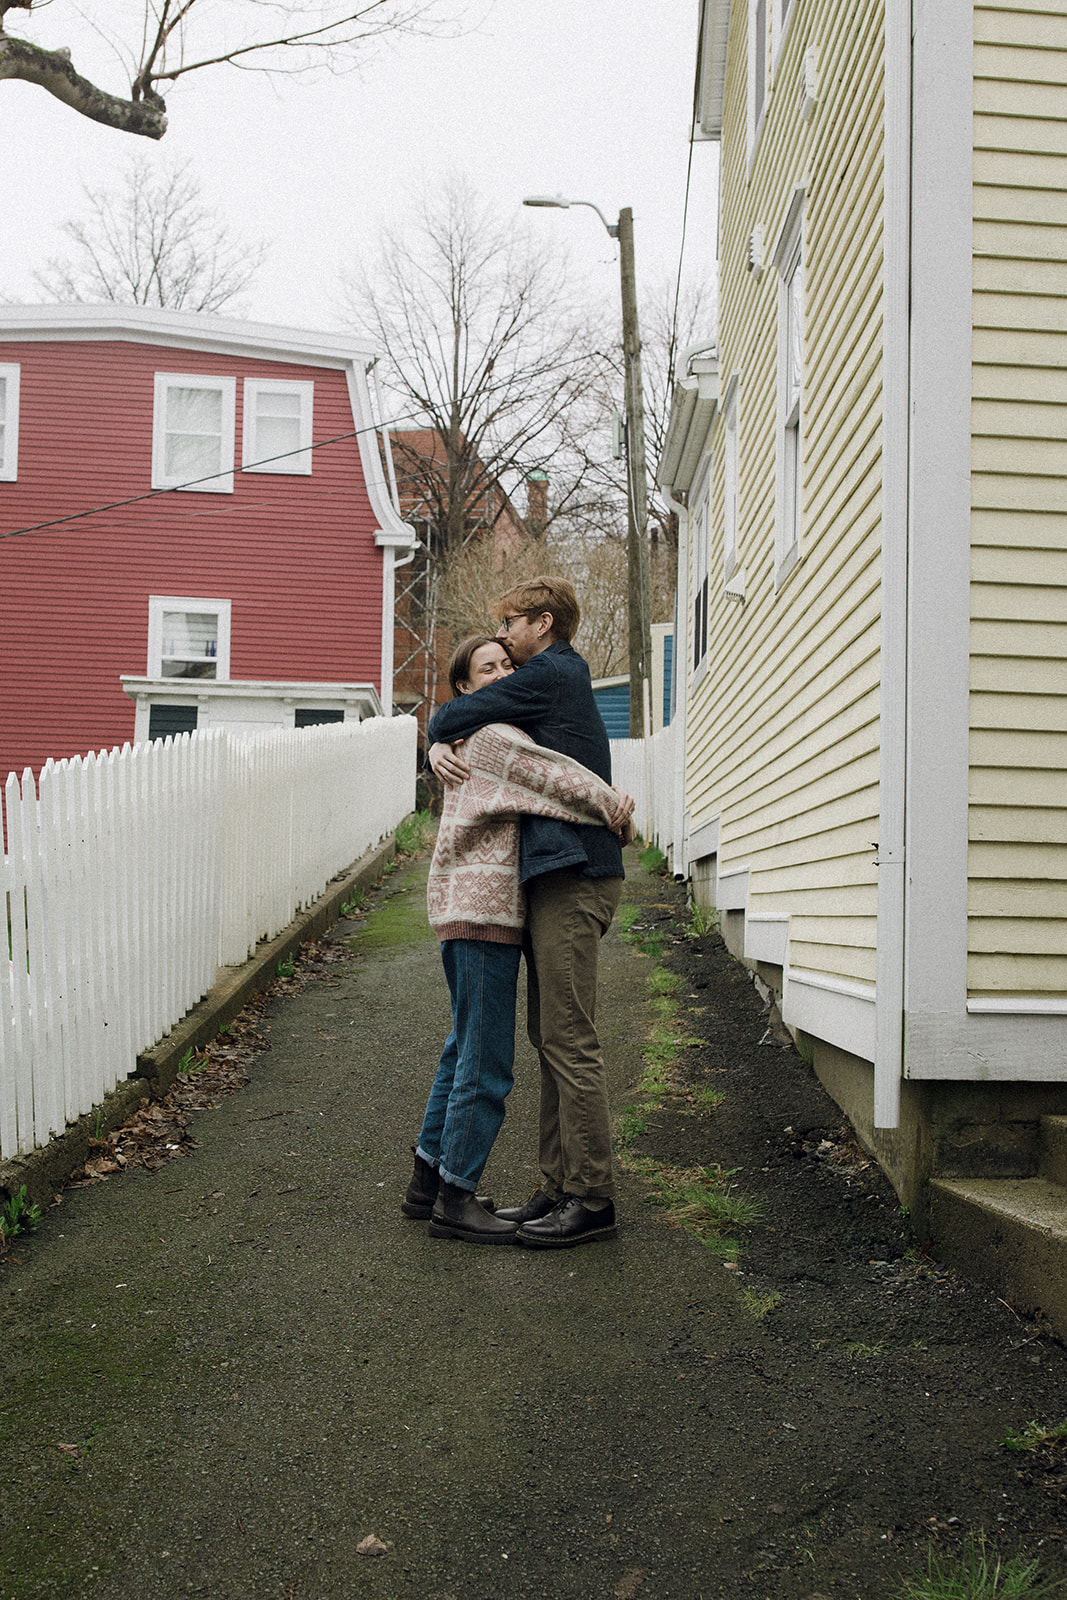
130 877
645 769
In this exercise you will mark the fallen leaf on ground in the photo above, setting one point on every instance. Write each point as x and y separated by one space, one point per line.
629 1583
371 1546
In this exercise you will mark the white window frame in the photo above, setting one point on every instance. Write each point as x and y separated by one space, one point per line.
759 19
9 461
158 604
730 462
784 12
789 431
699 621
296 463
227 387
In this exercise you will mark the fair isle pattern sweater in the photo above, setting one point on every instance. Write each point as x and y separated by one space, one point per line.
474 890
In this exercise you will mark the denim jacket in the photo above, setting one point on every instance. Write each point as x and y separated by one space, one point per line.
551 699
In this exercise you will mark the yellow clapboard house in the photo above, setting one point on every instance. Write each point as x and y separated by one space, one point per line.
871 479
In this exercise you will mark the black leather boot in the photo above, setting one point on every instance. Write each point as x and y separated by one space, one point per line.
422 1191
458 1214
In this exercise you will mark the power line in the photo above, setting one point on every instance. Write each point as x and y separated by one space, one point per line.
176 488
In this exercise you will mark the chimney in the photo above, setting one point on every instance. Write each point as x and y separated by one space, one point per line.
536 503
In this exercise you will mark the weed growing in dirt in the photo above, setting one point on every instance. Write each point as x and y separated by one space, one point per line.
702 921
758 1304
354 903
286 968
858 1351
708 1099
1036 1436
17 1216
626 916
703 1200
414 833
978 1572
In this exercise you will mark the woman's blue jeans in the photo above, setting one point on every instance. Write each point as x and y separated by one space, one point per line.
477 1067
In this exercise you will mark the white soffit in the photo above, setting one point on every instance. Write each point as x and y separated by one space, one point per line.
711 67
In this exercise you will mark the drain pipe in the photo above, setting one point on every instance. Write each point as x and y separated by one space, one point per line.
896 390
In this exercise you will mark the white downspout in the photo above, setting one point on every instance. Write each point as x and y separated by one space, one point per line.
896 408
680 677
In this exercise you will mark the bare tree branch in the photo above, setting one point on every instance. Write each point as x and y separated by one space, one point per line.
242 33
151 240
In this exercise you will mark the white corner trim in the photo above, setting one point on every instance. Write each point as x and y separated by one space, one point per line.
767 937
732 888
9 417
837 1010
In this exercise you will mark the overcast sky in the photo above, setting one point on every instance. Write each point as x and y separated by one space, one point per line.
591 98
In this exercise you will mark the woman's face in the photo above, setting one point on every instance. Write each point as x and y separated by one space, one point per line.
488 663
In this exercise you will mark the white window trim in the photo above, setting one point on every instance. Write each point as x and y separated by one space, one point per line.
9 466
158 604
788 259
784 12
756 117
165 381
731 474
297 464
700 525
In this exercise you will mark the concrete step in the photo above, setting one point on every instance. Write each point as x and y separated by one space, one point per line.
1010 1233
1053 1149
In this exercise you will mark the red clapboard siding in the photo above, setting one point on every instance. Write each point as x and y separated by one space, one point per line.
295 555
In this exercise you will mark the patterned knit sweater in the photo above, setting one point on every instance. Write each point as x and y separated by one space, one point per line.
474 890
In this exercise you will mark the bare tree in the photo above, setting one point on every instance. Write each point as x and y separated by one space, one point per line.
150 240
483 352
485 356
169 38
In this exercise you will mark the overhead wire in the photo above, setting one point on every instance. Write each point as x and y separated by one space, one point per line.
176 488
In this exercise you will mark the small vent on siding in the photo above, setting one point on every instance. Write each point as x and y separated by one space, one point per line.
755 251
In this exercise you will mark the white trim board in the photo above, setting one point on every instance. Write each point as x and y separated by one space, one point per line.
767 937
986 1048
732 888
836 1010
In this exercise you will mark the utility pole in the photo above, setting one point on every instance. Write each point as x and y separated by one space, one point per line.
639 608
639 604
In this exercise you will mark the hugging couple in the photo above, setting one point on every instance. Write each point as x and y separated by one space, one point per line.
528 861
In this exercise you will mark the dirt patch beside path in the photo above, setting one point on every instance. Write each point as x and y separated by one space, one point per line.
873 1412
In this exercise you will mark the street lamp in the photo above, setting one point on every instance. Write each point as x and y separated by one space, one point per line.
640 636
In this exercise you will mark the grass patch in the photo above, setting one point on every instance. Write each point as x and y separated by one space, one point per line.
627 915
631 1125
664 983
17 1216
415 833
708 1099
703 1200
759 1304
858 1351
978 1572
1036 1436
354 903
652 858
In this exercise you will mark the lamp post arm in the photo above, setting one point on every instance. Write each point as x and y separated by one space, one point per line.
612 227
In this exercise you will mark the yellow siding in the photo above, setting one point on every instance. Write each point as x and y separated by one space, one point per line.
783 735
1018 817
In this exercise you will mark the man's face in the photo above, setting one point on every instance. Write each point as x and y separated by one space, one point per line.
524 637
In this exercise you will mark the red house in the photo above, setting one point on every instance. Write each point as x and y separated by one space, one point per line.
195 529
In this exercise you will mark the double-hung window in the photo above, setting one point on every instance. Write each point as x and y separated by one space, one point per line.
789 258
193 432
701 566
9 422
188 638
277 426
